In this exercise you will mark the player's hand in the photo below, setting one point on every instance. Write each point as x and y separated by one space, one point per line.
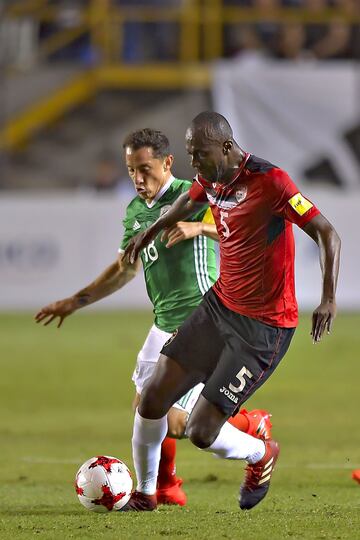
137 243
322 319
60 309
183 230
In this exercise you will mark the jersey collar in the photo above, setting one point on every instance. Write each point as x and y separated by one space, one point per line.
237 174
216 185
162 191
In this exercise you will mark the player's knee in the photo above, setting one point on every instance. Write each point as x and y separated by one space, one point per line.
150 404
200 436
176 423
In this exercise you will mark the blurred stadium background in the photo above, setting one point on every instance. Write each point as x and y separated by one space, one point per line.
75 77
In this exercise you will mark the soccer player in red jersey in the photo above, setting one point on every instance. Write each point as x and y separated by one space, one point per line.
236 337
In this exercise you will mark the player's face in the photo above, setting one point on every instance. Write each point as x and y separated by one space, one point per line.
147 172
207 157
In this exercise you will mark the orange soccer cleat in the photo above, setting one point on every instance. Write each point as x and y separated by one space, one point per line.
172 494
259 424
139 502
258 476
356 475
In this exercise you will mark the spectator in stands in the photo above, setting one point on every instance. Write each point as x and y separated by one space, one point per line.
290 42
150 41
326 40
259 37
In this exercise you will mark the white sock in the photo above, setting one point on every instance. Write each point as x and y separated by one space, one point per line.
232 443
146 442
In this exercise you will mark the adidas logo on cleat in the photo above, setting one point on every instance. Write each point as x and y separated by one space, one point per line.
266 474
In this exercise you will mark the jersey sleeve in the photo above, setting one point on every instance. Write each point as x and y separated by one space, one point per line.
128 233
197 192
288 202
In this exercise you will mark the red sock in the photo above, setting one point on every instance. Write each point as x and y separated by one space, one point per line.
167 468
240 421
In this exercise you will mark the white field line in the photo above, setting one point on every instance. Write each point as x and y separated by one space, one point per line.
316 466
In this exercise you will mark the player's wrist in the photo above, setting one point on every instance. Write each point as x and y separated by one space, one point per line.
79 300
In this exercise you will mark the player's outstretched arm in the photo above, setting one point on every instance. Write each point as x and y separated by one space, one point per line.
182 208
324 234
184 230
112 279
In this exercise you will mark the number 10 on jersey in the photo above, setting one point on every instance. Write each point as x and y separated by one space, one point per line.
150 252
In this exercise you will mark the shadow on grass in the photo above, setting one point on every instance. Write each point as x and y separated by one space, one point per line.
40 511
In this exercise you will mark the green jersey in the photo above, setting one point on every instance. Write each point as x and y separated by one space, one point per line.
176 278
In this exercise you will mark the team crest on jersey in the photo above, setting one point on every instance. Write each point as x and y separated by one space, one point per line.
241 193
165 209
226 201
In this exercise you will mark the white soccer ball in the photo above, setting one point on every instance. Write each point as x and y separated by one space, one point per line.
103 484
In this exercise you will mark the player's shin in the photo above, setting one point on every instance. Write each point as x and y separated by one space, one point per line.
234 444
148 435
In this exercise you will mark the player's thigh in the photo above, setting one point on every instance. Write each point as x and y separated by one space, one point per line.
136 400
148 357
168 383
180 411
249 357
198 343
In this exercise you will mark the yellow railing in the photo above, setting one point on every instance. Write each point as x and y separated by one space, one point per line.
200 23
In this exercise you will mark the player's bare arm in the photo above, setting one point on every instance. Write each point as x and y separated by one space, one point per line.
110 280
183 208
184 230
324 234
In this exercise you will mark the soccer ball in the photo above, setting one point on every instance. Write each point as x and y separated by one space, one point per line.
103 484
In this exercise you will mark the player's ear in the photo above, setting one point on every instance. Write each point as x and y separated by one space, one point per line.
168 161
227 146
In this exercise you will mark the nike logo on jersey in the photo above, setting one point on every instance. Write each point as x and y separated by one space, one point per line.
136 226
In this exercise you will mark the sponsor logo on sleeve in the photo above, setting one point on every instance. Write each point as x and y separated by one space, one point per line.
300 204
136 226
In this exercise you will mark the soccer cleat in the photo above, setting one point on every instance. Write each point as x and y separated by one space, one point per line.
139 502
259 423
356 475
172 494
258 476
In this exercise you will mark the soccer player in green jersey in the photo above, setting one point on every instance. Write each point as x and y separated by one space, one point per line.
176 280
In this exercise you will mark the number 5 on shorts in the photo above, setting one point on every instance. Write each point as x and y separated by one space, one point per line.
241 376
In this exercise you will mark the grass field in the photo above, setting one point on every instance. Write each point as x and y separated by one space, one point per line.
65 395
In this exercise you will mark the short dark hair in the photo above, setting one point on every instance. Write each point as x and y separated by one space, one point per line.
213 126
152 138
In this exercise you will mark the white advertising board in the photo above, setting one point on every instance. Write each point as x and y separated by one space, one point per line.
51 247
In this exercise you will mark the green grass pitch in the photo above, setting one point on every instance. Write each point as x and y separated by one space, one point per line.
65 395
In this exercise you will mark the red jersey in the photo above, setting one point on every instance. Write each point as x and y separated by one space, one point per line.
254 216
